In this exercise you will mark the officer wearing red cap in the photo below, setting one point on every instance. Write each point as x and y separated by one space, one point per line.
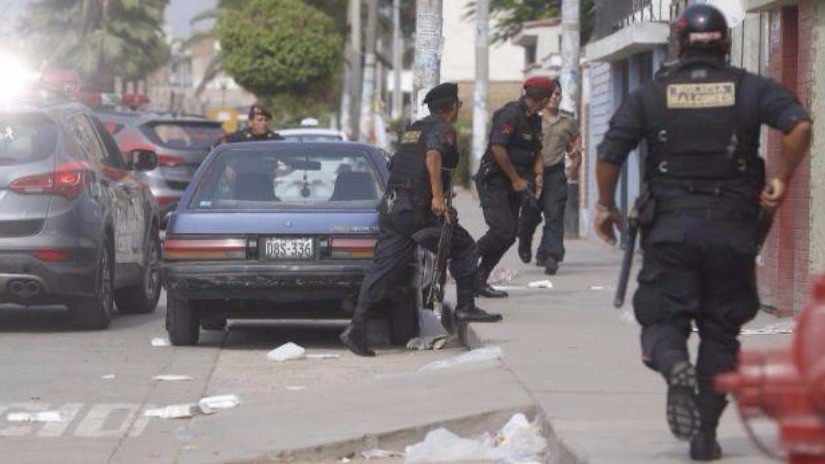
511 171
257 127
700 218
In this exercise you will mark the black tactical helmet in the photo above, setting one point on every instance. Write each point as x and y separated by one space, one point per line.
703 28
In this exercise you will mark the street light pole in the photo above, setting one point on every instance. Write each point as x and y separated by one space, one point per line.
571 94
428 49
482 78
368 86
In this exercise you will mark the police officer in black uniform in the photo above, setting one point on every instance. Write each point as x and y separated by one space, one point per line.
511 169
416 199
257 128
701 121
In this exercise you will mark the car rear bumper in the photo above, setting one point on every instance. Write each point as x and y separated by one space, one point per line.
25 279
268 281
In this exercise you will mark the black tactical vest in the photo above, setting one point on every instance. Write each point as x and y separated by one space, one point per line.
698 131
525 141
408 167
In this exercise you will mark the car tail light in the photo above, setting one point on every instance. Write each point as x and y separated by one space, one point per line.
170 161
52 255
353 248
68 180
204 249
165 201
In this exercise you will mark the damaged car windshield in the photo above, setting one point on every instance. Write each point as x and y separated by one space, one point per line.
273 178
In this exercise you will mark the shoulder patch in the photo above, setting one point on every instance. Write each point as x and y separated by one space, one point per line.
695 96
506 128
411 136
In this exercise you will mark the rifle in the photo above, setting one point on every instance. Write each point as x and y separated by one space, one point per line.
445 240
627 259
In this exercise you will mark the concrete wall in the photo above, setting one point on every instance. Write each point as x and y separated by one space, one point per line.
599 110
458 61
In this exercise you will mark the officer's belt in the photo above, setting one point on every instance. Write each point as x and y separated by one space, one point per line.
719 204
699 165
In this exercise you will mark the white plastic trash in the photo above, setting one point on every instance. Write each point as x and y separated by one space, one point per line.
219 402
324 356
171 378
377 453
40 416
441 445
107 376
176 411
488 353
287 352
541 284
160 342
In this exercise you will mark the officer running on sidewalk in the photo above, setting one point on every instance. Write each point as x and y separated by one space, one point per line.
415 199
701 120
256 130
559 137
511 164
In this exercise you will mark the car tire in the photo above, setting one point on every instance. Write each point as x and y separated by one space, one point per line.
183 324
96 313
143 298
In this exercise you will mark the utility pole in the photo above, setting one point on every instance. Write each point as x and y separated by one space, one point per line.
354 90
482 78
428 50
346 95
397 61
571 94
368 86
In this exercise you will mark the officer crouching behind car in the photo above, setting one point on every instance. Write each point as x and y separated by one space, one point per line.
256 130
416 199
512 162
701 120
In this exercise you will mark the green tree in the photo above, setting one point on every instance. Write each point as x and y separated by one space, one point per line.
511 14
98 38
279 46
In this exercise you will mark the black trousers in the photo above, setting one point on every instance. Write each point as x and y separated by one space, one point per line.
698 267
393 263
501 206
552 203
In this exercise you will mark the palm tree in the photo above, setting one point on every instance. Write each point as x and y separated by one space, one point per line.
100 39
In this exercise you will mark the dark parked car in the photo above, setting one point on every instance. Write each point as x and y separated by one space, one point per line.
76 225
180 141
274 230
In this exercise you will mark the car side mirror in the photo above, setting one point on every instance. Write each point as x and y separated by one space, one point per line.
142 160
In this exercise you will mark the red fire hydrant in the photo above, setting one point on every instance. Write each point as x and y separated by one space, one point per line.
788 385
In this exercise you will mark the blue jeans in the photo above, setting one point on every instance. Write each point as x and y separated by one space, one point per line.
551 203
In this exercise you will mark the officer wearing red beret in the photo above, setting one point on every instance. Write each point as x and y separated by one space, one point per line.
511 164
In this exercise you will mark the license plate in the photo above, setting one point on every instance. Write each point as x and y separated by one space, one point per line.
288 248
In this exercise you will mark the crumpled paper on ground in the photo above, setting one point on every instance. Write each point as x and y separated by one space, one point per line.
541 284
519 441
208 405
431 334
488 353
287 352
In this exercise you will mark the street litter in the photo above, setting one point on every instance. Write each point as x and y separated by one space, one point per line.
597 287
431 334
488 353
508 288
377 453
785 327
287 352
171 378
627 316
107 376
176 411
323 356
519 441
219 402
41 416
160 342
435 343
541 284
295 388
502 275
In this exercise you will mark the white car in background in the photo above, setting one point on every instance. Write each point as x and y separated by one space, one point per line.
309 132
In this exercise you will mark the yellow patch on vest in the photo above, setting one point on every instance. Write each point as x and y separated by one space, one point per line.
692 96
411 137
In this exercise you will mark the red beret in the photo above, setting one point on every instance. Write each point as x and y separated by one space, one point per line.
540 83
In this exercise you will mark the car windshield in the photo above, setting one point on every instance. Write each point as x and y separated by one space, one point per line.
184 135
293 177
26 137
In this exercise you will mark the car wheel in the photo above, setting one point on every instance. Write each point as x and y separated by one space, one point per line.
95 313
143 298
183 324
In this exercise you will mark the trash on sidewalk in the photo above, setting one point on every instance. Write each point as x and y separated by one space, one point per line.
160 342
107 376
434 343
377 453
431 334
488 353
508 288
541 284
171 378
219 402
295 388
784 327
176 411
502 275
518 441
287 352
323 356
40 416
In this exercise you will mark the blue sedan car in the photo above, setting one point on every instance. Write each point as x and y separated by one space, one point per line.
272 230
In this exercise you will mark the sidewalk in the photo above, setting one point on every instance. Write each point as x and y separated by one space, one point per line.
580 361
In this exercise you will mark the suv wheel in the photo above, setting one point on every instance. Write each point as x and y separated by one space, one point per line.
143 298
183 324
95 313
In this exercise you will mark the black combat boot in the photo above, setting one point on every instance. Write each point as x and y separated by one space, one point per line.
525 250
682 409
354 337
704 447
466 310
484 289
551 266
